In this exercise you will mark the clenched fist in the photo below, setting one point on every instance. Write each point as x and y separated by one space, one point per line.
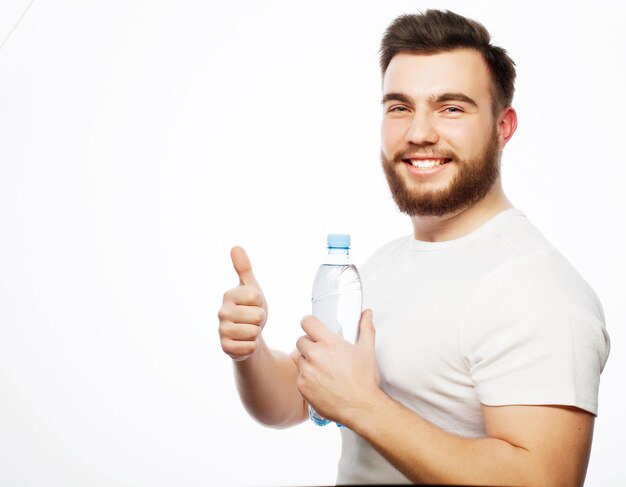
244 311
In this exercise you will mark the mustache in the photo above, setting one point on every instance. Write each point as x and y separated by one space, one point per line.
435 152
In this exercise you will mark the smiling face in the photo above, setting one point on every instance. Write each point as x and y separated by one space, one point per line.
440 147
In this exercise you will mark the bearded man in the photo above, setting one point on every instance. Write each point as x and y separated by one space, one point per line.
484 362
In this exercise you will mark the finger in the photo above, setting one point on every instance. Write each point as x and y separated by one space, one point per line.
239 349
303 345
253 315
300 363
240 331
316 329
242 266
367 332
247 295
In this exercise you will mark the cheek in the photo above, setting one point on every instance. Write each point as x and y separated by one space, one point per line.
464 138
392 135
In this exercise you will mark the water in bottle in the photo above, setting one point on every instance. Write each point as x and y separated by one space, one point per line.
337 296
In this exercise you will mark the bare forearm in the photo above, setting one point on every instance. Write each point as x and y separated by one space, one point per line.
425 453
523 445
267 386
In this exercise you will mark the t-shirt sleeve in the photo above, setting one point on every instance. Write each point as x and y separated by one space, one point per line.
534 333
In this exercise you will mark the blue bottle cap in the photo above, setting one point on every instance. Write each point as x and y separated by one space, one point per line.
338 241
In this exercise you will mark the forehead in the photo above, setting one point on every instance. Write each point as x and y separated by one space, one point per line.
421 75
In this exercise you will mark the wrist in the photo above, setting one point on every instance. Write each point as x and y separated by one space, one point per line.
251 363
360 413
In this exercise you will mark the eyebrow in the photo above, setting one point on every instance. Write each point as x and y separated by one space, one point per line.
454 97
448 96
397 97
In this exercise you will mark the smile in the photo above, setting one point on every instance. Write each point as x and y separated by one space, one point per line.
426 163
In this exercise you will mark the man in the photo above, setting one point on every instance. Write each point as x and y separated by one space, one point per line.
485 363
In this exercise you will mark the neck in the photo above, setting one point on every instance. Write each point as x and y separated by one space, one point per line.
456 225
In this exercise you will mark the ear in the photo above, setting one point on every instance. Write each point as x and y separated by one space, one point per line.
507 124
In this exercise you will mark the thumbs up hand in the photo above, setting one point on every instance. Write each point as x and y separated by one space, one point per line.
244 311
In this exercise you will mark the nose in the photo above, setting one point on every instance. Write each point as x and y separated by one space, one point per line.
422 130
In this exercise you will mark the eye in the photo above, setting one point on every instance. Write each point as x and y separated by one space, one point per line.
397 109
452 110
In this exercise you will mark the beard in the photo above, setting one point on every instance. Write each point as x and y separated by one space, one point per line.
473 180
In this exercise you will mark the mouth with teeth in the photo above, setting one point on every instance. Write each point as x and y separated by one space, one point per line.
425 163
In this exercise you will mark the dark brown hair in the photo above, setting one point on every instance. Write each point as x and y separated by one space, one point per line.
436 31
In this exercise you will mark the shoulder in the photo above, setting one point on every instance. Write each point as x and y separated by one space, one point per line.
543 276
525 264
539 289
534 332
515 232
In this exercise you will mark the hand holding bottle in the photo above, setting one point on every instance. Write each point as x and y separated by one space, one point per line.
243 313
337 296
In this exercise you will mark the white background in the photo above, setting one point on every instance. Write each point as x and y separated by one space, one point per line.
141 139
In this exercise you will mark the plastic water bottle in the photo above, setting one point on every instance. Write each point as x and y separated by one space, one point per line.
337 296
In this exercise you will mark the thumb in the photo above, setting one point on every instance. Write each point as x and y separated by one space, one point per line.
367 333
242 266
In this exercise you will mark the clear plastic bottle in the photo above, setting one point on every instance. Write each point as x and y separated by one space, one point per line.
337 296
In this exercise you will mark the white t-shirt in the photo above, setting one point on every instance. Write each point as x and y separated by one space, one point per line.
498 317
